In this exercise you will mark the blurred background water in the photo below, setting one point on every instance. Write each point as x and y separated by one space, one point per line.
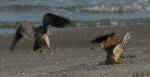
97 12
79 10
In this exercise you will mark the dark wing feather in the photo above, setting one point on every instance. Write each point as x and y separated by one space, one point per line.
55 20
37 45
101 38
17 37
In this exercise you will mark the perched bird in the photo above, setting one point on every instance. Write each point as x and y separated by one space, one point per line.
113 45
40 33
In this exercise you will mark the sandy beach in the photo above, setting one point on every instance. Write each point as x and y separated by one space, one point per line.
75 56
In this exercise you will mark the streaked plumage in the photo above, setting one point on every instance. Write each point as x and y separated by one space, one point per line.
113 45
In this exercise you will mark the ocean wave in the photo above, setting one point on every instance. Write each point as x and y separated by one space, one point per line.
100 8
114 8
23 7
110 8
112 23
77 10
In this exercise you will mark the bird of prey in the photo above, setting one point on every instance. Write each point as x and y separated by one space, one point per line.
40 33
113 45
107 42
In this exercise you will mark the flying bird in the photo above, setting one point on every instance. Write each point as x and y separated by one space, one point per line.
40 33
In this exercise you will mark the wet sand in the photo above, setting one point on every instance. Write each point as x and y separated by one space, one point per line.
75 56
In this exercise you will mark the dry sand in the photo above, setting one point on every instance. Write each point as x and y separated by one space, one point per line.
74 55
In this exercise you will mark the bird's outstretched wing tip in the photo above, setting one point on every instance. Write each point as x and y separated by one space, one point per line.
13 44
19 34
16 38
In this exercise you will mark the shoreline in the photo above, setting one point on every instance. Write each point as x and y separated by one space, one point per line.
74 24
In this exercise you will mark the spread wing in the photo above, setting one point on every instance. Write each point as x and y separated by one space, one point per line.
22 31
101 38
126 38
55 20
119 48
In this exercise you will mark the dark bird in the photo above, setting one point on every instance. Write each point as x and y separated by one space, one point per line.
101 38
40 33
